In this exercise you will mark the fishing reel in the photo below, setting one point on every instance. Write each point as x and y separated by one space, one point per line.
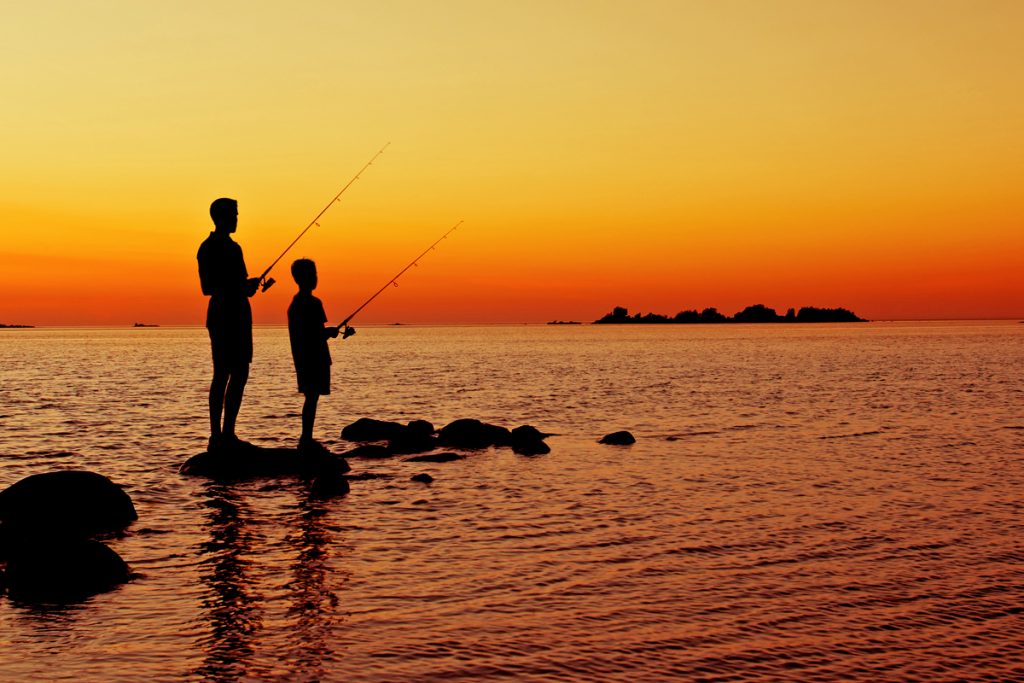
347 332
267 283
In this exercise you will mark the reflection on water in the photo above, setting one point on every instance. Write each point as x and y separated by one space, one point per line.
812 503
231 604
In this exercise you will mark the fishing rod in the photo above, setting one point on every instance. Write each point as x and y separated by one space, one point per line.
349 331
266 284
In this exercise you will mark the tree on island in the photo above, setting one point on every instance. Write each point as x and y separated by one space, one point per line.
758 313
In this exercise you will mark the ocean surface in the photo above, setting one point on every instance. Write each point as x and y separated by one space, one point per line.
803 503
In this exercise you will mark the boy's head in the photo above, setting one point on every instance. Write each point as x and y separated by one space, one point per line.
224 213
304 272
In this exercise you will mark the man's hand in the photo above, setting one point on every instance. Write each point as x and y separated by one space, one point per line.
332 332
251 285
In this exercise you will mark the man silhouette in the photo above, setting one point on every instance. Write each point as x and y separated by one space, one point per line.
224 279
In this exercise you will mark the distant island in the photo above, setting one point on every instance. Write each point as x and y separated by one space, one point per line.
758 313
565 322
144 325
16 327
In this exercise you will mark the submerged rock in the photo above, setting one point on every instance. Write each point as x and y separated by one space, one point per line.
62 572
368 429
618 439
422 477
531 448
473 434
68 503
436 457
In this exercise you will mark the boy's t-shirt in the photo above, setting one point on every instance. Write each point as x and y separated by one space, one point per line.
306 319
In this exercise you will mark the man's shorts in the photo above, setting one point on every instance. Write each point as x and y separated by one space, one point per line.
232 346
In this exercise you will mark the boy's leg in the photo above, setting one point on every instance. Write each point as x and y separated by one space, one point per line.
309 416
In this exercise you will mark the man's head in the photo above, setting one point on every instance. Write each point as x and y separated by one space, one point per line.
224 213
304 272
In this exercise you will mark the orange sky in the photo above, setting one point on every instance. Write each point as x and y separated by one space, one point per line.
653 155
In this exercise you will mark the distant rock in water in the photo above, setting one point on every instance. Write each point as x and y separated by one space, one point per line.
758 313
618 439
412 442
15 327
69 503
528 440
63 572
422 477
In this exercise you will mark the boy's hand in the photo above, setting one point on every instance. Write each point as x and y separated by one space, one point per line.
349 331
251 285
332 332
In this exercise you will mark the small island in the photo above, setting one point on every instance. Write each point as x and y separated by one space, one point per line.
144 325
758 313
564 322
16 327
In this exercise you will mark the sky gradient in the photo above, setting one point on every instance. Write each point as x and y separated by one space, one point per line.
653 155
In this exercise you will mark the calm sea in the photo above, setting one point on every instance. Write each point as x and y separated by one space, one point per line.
804 503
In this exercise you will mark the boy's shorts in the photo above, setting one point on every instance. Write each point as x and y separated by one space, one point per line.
314 379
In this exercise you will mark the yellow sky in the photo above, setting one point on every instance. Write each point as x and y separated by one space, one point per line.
656 155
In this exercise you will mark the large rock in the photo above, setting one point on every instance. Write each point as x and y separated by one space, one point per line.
473 434
68 503
254 462
367 429
64 571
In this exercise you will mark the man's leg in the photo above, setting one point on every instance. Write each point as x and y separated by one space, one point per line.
233 398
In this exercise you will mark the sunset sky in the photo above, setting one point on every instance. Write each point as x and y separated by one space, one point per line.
648 154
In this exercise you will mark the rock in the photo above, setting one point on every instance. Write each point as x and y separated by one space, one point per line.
618 439
473 434
436 457
528 440
409 442
420 427
62 572
368 429
253 462
369 452
68 503
423 477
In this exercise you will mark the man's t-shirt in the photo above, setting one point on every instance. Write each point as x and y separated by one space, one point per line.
222 276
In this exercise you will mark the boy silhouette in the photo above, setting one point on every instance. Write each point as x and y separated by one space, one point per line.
308 334
223 277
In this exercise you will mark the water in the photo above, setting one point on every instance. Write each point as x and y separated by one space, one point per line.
805 503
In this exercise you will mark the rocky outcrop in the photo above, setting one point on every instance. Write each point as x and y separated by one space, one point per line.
369 451
254 462
618 439
423 478
528 440
47 522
